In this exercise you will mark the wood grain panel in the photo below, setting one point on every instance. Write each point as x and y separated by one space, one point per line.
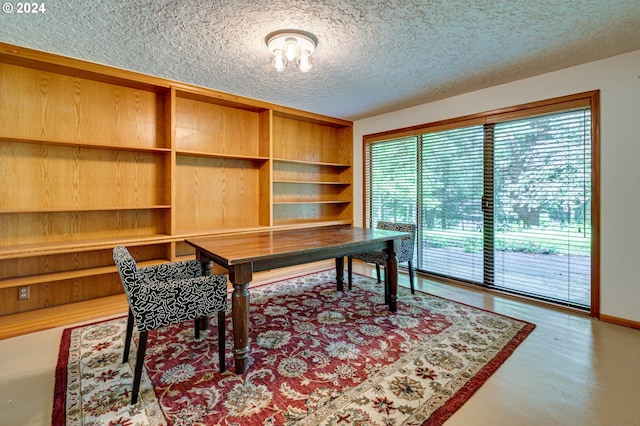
54 263
54 227
302 213
60 292
47 106
298 192
265 197
344 146
58 177
302 140
207 127
183 250
266 170
213 194
49 264
309 173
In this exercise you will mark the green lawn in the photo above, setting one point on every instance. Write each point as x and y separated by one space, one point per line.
565 240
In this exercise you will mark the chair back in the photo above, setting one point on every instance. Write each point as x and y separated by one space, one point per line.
129 274
407 244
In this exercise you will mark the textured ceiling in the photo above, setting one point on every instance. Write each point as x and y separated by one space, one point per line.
373 56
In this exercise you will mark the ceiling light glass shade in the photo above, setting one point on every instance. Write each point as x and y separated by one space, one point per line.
291 46
304 62
278 61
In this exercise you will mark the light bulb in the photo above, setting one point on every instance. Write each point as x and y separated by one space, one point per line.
304 63
291 48
278 62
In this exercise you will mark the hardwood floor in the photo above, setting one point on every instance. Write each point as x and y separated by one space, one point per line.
572 370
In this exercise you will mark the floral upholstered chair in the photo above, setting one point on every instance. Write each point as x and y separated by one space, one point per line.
379 257
166 294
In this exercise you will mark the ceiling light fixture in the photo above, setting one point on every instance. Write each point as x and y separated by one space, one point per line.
291 46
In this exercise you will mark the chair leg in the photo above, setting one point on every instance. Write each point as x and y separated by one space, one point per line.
350 270
378 272
221 341
196 327
127 337
413 289
137 374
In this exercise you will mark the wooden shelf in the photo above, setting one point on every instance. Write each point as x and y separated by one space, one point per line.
284 112
84 209
16 251
221 156
209 96
70 108
311 163
302 182
80 144
63 315
66 275
312 202
211 232
305 223
73 313
93 157
33 59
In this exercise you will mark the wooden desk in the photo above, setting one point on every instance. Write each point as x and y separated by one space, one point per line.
244 254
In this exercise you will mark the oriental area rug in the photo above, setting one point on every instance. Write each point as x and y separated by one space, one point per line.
318 357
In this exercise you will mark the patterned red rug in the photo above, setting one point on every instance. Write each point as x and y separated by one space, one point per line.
318 356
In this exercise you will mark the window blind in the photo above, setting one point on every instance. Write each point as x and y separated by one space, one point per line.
502 200
451 220
541 201
391 185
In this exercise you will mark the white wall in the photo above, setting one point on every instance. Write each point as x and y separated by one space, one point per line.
618 79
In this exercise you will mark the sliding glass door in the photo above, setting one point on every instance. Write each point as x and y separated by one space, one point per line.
502 202
451 222
541 209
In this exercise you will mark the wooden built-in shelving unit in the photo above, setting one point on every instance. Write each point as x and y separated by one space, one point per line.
92 157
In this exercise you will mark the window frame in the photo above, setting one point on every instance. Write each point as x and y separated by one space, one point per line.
589 99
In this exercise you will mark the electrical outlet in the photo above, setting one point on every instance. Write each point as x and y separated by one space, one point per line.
24 292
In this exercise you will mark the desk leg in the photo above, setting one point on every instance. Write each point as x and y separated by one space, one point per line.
240 276
340 273
391 277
